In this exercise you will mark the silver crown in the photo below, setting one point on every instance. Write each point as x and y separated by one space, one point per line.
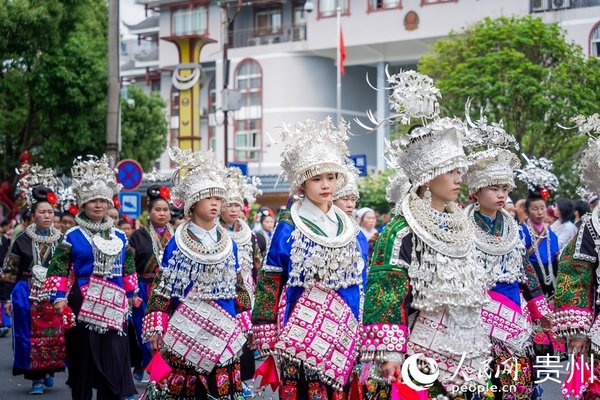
198 175
431 150
351 186
537 174
234 184
33 176
251 189
93 178
314 148
492 163
66 198
589 166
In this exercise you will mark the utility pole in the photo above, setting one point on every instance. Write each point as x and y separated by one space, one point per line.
112 111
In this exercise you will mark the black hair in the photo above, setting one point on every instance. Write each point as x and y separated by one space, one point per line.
566 208
5 222
176 213
581 207
25 215
154 196
39 194
533 195
124 221
263 217
66 214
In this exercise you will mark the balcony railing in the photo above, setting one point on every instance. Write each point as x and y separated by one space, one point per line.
538 6
249 37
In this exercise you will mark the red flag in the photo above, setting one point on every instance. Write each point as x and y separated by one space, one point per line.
342 53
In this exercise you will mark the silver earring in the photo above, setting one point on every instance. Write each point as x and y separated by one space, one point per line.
476 205
427 196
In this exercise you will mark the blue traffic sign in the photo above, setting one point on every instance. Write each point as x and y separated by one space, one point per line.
130 174
360 162
131 204
242 166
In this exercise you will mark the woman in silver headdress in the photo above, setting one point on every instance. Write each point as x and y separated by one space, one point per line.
577 295
95 254
308 307
501 254
198 314
424 290
39 344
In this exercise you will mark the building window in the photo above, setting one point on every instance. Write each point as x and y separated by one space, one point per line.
267 20
595 41
248 126
247 140
376 5
189 20
428 2
299 23
327 8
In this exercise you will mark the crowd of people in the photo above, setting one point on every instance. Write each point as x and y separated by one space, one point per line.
317 302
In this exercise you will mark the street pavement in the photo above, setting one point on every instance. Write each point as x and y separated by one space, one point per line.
16 387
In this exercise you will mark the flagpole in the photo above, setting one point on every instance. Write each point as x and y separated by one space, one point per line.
339 67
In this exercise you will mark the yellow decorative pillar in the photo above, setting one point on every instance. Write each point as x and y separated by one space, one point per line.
188 79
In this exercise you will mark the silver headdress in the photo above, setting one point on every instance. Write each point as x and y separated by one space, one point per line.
537 174
431 150
234 184
94 179
36 176
251 190
197 176
427 151
67 200
589 166
492 163
351 186
314 148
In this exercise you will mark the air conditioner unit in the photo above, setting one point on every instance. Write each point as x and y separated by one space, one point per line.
539 5
560 4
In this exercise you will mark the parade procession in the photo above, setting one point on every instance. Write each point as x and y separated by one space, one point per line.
400 214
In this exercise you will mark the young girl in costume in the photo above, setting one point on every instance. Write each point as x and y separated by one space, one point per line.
308 307
39 343
239 188
501 254
148 245
425 291
199 310
577 295
95 253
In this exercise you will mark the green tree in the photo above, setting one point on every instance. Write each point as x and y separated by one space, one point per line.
52 80
53 87
143 126
525 73
372 190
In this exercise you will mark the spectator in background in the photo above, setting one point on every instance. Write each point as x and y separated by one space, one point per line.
510 208
126 226
67 221
564 226
114 214
23 223
521 211
264 234
581 208
367 221
593 202
56 220
4 246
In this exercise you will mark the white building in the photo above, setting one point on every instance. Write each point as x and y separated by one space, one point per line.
282 59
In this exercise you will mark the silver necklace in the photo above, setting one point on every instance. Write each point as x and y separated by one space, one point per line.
201 253
449 233
105 225
489 244
547 270
243 236
39 270
50 239
157 246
